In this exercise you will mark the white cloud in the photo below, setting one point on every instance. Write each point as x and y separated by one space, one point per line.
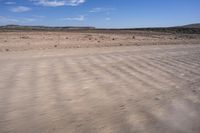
49 3
100 9
29 19
19 9
79 18
10 3
38 16
74 2
7 20
55 3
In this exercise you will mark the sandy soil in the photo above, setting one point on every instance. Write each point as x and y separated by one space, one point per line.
129 89
23 41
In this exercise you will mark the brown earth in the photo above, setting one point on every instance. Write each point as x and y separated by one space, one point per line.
126 89
23 41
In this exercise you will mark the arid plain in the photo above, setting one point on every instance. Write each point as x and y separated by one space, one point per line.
99 82
26 40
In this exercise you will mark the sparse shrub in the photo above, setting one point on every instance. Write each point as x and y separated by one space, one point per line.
113 39
7 50
86 36
25 37
190 37
55 46
133 37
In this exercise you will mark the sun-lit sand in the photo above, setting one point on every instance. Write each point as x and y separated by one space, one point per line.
99 82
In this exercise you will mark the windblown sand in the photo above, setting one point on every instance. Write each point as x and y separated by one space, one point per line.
99 89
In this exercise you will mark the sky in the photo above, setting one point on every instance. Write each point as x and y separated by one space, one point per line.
100 13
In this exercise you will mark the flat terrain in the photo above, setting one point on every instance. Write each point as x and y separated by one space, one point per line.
43 40
129 89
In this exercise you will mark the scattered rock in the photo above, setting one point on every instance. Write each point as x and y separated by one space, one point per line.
101 37
69 99
182 74
157 98
103 126
7 49
194 90
86 36
55 46
79 125
133 37
130 100
122 105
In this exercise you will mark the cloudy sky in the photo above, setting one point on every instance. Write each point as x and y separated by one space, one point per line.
100 13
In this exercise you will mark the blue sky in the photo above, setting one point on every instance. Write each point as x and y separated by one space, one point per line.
100 13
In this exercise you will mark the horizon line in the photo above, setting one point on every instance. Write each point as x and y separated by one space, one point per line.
94 27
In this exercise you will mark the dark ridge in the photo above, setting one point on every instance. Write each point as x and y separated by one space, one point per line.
45 28
187 29
182 30
197 25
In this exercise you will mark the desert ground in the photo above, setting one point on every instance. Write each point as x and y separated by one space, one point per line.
29 40
92 82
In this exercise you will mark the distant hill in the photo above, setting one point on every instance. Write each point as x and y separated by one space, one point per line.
19 27
186 29
197 25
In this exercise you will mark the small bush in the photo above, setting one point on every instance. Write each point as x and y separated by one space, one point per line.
25 37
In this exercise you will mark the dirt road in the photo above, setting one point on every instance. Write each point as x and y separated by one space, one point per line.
145 89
